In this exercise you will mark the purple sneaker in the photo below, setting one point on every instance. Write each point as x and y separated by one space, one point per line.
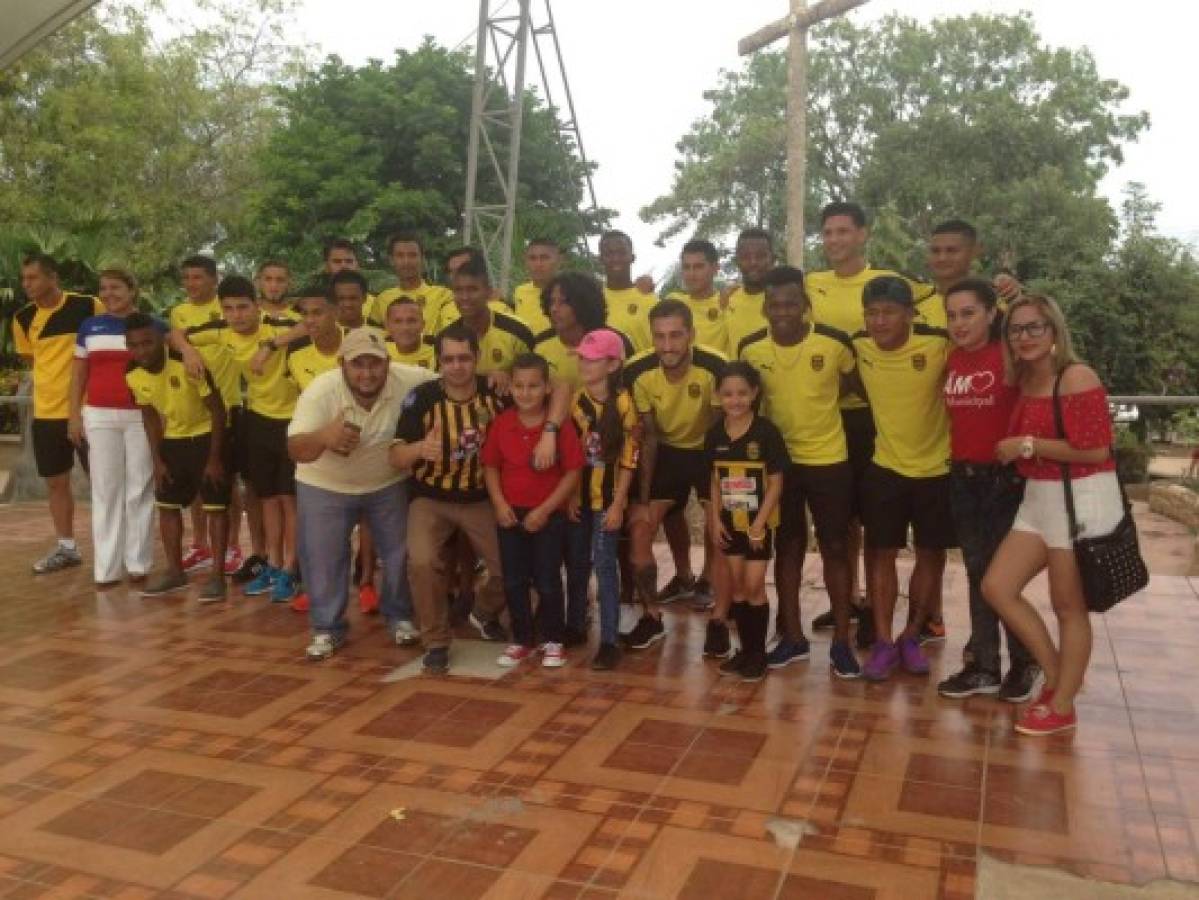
884 657
913 658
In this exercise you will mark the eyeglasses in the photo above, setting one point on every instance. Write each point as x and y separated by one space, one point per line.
1032 329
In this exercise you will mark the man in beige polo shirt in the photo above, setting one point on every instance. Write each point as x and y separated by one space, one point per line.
344 423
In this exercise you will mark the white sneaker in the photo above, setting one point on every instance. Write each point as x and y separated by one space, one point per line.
322 647
630 615
405 633
552 656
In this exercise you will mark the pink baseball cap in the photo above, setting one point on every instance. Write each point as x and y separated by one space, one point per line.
603 343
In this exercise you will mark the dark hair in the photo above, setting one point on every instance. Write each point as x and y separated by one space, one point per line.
781 275
532 361
273 264
339 244
317 287
615 235
985 292
199 261
958 226
401 301
464 250
136 321
405 237
610 426
888 287
582 294
741 369
475 267
699 245
670 307
543 242
236 286
755 234
44 261
843 208
348 276
456 331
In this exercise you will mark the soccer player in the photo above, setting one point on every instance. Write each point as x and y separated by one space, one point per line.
502 337
628 306
543 258
407 255
185 424
698 265
406 333
44 332
754 256
341 256
674 391
351 297
803 368
274 285
901 364
319 349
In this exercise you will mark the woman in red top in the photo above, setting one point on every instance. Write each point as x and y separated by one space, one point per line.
985 494
1039 353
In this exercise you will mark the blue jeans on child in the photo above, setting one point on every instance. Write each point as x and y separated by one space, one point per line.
534 561
589 546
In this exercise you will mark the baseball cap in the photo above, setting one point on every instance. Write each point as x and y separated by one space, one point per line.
888 287
603 343
364 341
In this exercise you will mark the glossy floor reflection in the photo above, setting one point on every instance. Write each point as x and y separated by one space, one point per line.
158 748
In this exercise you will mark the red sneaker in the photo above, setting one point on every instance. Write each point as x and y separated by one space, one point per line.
1041 719
368 599
196 558
299 603
514 655
233 560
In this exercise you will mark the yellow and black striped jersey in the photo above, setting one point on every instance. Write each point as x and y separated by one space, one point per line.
743 467
598 481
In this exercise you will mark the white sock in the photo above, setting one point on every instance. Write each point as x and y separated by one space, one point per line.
67 543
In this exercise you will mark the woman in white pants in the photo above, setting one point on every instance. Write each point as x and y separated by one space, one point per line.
103 414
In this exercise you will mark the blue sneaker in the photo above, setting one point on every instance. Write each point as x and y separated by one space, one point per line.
261 583
283 588
786 652
844 664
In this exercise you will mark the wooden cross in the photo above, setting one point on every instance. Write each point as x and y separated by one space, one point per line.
795 26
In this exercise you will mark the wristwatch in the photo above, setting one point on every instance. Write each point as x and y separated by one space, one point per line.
551 427
1028 448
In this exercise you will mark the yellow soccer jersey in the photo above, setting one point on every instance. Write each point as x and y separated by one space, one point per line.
905 389
286 314
47 335
271 394
931 309
628 312
506 338
711 321
801 389
563 361
683 410
433 299
450 314
305 361
187 316
423 356
598 483
745 314
178 398
526 301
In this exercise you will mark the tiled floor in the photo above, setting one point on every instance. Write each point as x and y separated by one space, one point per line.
160 748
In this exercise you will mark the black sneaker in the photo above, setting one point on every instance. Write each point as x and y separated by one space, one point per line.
648 631
489 629
1020 683
968 682
732 665
754 668
717 643
676 589
824 621
436 661
606 657
932 632
250 569
702 597
573 637
865 636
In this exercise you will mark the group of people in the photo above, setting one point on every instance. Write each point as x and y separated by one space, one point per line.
494 455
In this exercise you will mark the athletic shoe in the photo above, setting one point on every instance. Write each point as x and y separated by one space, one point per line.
436 661
1020 683
676 589
1041 719
968 682
368 599
753 668
884 658
263 583
164 583
56 560
283 588
405 633
843 662
214 590
732 665
630 613
323 646
196 558
912 657
716 643
250 569
786 652
233 560
489 629
573 637
606 658
514 655
932 631
702 597
1046 695
865 638
647 631
552 655
299 603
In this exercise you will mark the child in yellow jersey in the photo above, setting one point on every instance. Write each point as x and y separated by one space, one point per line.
406 334
606 419
698 266
748 457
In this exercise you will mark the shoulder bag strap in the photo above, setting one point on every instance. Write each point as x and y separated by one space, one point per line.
1059 422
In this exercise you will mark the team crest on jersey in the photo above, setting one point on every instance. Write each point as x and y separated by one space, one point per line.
175 382
632 309
818 362
497 355
213 316
919 361
713 314
693 390
752 450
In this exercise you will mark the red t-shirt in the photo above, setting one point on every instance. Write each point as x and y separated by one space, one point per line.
509 447
980 403
1088 427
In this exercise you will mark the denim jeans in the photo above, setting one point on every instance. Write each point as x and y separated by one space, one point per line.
326 519
985 499
589 546
534 561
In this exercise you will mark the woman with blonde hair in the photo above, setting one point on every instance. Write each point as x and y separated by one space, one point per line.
103 415
1041 364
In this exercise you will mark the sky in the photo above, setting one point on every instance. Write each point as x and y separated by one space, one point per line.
638 70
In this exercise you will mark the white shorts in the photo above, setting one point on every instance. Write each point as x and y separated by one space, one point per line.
1097 507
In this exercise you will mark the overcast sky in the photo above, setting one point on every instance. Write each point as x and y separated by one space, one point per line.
638 69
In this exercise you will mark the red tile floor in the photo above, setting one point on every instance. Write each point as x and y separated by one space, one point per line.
157 748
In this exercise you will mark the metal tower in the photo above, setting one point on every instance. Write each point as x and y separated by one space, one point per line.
502 42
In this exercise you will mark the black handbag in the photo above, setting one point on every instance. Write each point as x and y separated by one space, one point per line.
1111 566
